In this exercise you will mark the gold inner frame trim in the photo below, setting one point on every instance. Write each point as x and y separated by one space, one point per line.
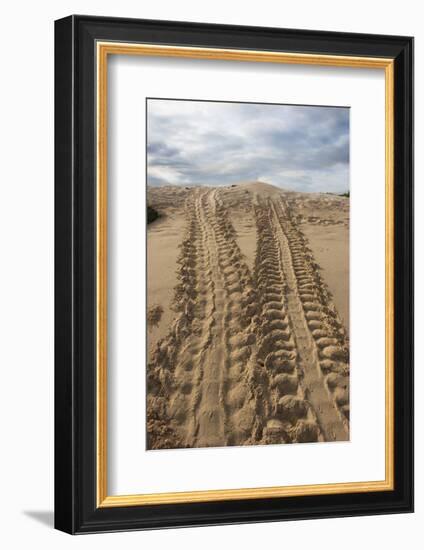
103 50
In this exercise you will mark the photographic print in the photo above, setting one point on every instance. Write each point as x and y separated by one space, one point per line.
220 303
247 274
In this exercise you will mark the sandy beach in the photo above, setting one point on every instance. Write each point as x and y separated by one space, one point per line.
248 316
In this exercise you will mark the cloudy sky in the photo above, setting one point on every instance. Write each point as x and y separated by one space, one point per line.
211 143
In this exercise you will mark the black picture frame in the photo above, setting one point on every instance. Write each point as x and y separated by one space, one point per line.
76 510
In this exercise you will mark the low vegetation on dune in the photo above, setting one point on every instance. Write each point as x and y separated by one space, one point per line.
152 214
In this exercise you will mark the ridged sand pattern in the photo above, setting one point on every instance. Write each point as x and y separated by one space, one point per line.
318 333
250 358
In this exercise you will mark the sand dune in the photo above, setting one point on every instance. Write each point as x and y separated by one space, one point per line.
246 345
260 187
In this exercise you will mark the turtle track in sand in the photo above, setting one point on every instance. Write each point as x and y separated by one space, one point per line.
321 340
250 358
287 416
200 381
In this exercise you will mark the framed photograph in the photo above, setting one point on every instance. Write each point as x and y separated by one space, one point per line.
233 266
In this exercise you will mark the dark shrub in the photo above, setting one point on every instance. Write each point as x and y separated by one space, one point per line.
152 214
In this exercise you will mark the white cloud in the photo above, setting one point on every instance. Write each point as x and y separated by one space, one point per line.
197 142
